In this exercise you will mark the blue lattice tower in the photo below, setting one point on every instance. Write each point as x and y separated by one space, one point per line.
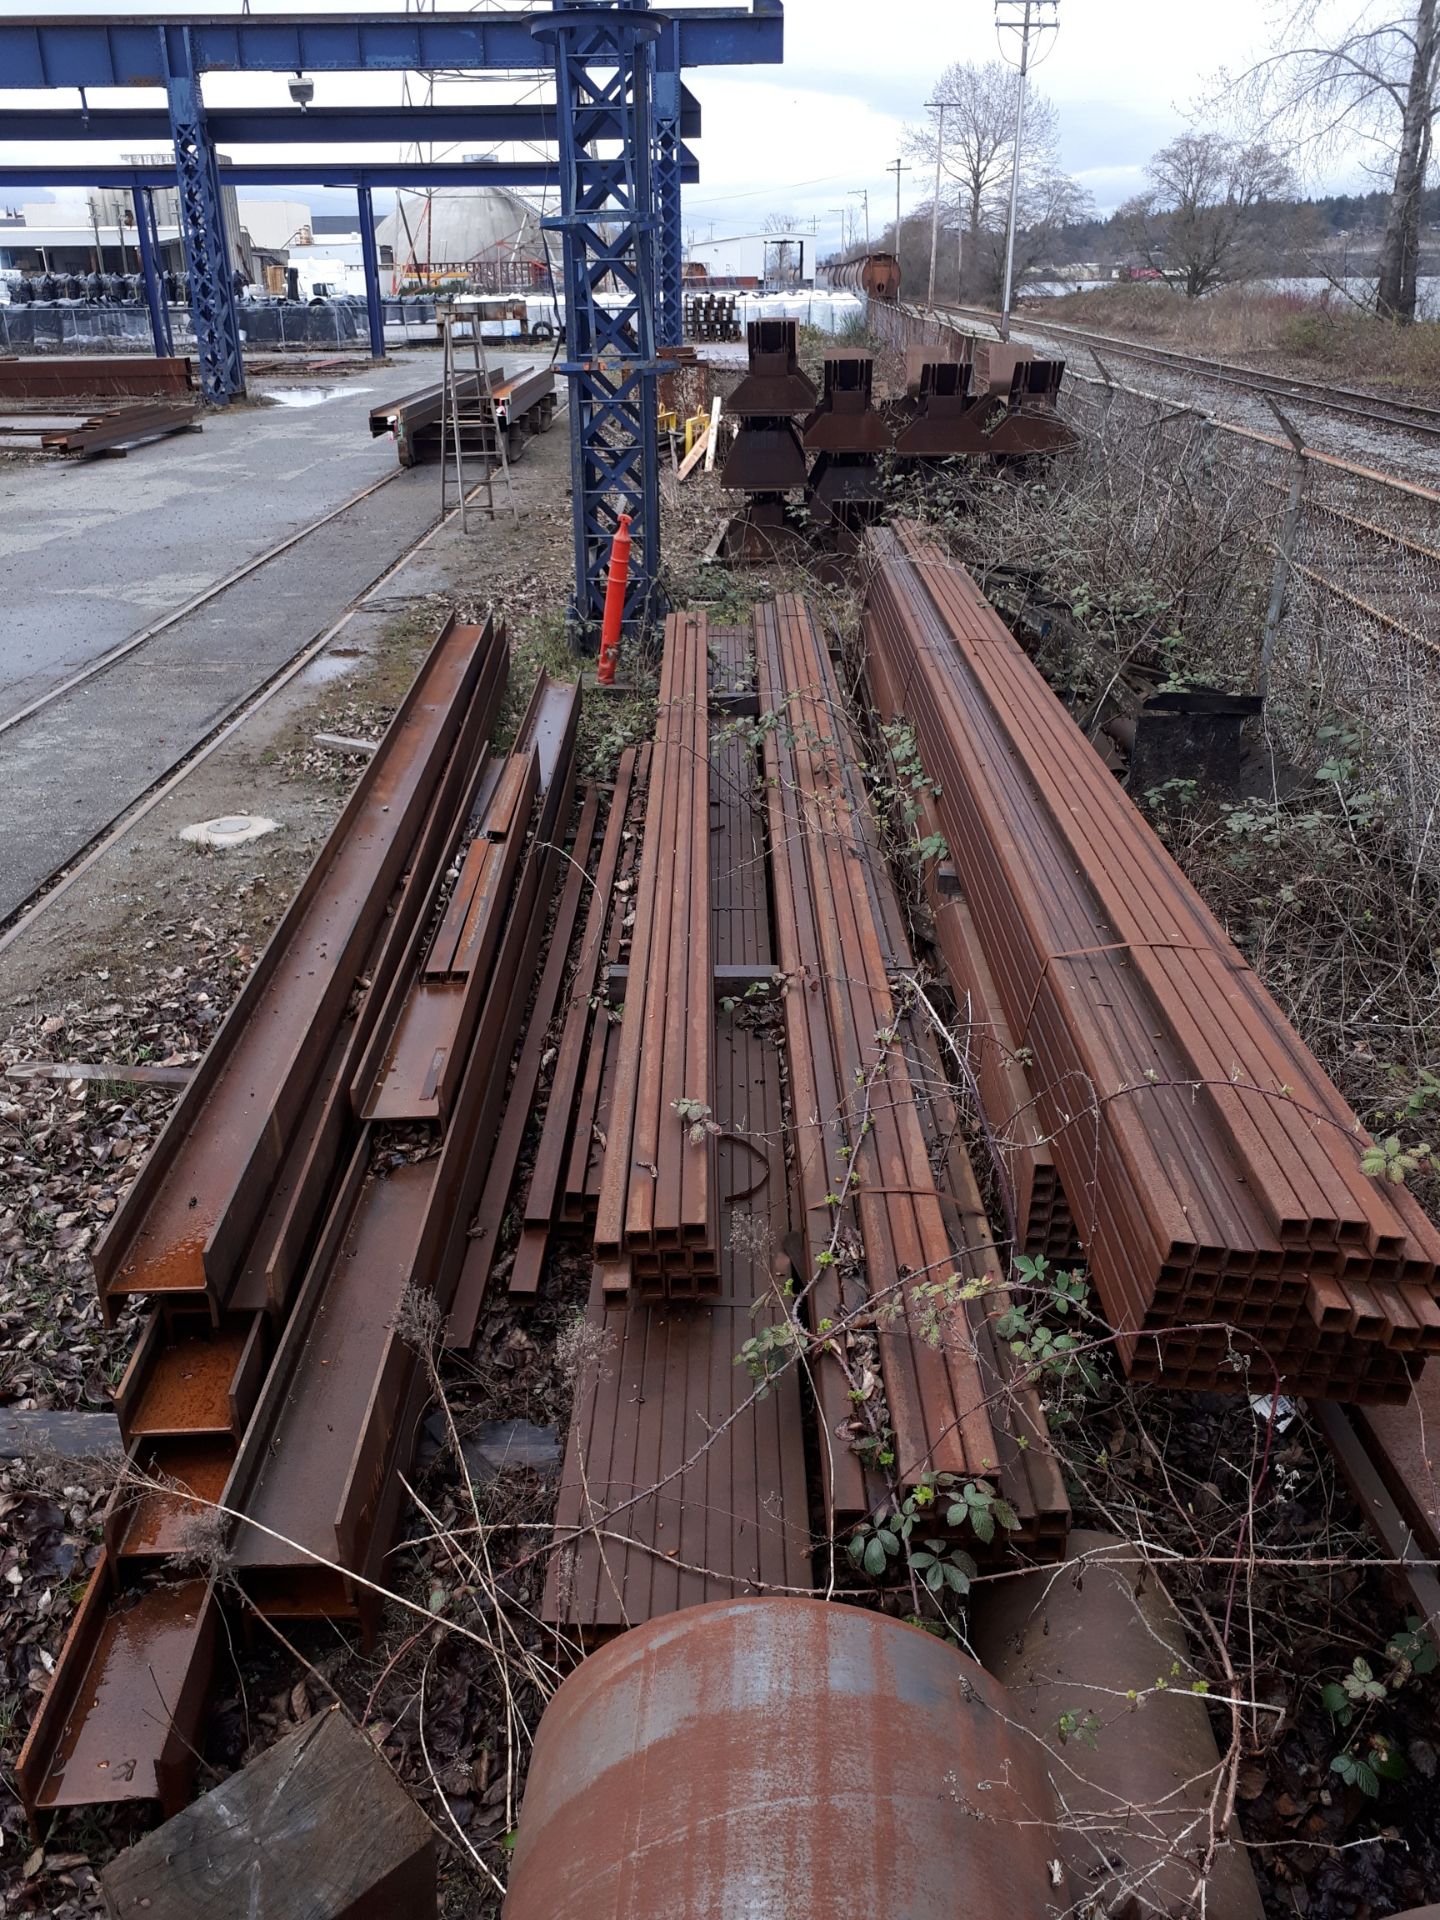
603 57
669 263
202 227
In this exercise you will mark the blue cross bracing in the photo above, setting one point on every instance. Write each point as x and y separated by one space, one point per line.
617 68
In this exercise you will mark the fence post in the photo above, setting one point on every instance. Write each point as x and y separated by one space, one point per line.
1284 547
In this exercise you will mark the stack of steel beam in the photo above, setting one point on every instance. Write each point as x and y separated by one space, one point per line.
1038 1213
1003 401
767 460
861 1157
658 1212
1213 1170
277 1230
849 437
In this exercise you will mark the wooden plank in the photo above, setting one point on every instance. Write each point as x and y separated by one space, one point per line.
317 1827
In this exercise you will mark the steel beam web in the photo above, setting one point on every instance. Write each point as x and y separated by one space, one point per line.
670 246
602 58
202 226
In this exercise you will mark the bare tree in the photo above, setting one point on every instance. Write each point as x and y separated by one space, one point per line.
1196 225
1350 74
978 140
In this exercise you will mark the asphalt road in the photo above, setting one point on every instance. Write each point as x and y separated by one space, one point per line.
90 555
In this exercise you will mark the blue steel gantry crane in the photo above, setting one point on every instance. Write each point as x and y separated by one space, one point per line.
618 122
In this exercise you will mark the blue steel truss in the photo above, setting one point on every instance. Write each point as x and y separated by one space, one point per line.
93 50
603 61
669 245
202 231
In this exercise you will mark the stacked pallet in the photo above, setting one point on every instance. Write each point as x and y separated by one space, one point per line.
1212 1168
658 1215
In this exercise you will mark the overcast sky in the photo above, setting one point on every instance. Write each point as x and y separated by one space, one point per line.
801 138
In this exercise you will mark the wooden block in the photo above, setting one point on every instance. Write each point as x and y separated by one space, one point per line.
317 1827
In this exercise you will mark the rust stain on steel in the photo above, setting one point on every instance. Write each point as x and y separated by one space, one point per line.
121 1720
1204 1191
187 1388
774 1758
185 1225
1071 1642
154 1523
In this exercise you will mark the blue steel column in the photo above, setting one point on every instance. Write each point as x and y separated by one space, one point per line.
602 72
148 240
374 305
670 241
202 224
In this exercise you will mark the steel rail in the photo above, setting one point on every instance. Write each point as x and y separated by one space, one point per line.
124 648
1313 393
23 916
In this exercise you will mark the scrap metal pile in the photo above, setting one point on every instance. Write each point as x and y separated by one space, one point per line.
1212 1169
999 402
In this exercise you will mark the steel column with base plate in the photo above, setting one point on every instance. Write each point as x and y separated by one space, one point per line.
374 305
602 57
147 239
202 227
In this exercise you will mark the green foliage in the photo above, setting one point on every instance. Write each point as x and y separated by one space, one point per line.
939 1563
1369 1755
767 1354
1045 1352
1390 1159
1081 1727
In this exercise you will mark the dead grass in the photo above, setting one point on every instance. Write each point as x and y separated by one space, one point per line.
1323 334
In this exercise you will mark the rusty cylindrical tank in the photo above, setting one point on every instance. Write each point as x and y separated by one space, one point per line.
773 1759
877 274
1069 1643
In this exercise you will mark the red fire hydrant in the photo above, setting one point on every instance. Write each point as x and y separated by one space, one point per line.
614 603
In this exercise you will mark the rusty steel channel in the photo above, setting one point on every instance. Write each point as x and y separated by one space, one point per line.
1212 1168
185 1228
308 1445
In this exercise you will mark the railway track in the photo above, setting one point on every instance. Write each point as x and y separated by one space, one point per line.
18 915
1407 416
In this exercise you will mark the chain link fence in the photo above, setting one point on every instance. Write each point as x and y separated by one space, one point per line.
1295 572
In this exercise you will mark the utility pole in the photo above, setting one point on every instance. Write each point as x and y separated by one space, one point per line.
1032 21
897 167
936 106
863 193
841 214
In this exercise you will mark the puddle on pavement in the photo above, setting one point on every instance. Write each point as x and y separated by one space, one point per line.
330 666
308 396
